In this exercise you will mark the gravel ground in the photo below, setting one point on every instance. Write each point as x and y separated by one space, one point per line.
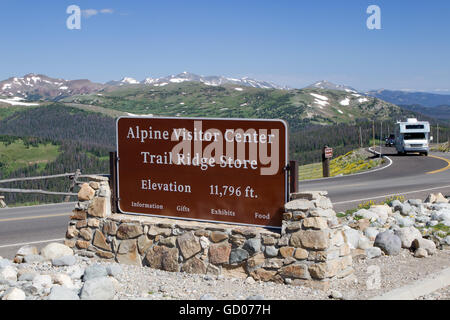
442 294
146 283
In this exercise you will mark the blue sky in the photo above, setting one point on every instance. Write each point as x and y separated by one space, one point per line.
292 43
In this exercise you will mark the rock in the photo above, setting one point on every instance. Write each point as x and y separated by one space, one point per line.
127 253
5 263
301 254
440 198
42 280
334 294
444 215
189 245
94 271
299 205
364 243
55 250
63 293
252 245
75 272
295 271
406 209
99 208
26 250
447 240
129 231
373 252
310 239
8 273
28 276
114 270
382 212
164 258
219 253
217 236
371 233
63 280
431 198
315 223
101 288
308 195
415 202
194 265
86 193
405 221
286 252
426 244
388 242
250 280
271 251
238 255
64 261
14 294
33 258
421 253
407 235
352 237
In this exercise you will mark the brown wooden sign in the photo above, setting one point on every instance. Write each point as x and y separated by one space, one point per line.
220 170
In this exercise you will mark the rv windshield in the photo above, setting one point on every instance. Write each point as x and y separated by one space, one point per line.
414 136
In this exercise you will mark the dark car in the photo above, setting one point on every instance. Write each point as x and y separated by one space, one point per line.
390 141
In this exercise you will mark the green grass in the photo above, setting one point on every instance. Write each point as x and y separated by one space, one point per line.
17 155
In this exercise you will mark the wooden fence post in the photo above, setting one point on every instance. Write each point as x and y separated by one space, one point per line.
73 184
293 176
113 181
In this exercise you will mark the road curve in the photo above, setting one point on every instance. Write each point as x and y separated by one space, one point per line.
412 176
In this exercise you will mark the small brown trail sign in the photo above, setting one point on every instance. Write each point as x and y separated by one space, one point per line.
219 170
328 152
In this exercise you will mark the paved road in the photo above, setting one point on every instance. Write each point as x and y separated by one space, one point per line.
408 175
413 176
19 226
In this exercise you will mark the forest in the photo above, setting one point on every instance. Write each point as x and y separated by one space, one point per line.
84 140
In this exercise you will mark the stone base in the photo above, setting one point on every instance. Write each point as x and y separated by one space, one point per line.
309 249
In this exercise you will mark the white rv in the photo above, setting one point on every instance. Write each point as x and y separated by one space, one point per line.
412 136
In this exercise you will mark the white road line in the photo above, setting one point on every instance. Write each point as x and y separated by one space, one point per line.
392 194
27 243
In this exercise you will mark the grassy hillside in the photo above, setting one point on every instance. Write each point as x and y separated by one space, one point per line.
354 161
298 107
19 153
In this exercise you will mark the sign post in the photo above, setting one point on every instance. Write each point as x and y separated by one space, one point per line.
327 154
216 170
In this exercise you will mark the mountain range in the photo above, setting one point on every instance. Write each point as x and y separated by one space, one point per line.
37 86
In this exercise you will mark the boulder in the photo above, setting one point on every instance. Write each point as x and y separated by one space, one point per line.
421 253
352 237
431 198
382 211
94 271
407 235
366 214
55 250
63 293
388 242
373 252
86 192
440 198
64 261
252 245
26 250
371 233
14 294
101 288
8 273
426 244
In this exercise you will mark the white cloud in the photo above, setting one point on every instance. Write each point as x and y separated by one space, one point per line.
93 12
107 10
89 13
